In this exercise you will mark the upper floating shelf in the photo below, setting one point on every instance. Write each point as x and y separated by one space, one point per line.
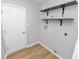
62 18
60 6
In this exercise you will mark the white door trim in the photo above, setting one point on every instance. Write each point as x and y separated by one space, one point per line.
16 6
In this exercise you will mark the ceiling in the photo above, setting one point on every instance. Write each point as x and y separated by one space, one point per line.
39 1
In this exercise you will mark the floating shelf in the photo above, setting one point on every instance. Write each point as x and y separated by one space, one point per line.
62 18
60 6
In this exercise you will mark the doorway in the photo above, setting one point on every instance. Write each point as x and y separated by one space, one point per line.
14 27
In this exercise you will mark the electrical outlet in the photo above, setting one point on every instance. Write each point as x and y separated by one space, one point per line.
65 34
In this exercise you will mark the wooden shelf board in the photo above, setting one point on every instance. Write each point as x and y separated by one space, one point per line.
58 19
60 6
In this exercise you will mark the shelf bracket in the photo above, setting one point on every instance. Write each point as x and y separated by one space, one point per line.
61 20
47 15
46 21
63 8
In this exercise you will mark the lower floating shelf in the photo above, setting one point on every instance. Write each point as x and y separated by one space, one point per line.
61 18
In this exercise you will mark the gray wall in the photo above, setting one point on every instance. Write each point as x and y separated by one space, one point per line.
32 18
54 37
3 51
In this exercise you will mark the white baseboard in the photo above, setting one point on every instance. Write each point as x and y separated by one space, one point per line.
33 44
51 51
43 46
21 48
6 56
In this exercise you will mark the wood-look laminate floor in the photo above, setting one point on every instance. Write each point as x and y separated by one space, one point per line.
34 52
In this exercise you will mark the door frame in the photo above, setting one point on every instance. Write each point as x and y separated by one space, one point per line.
16 6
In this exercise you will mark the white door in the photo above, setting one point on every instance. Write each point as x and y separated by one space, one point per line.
14 27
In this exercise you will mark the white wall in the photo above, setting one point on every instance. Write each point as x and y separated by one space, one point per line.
54 37
51 3
32 15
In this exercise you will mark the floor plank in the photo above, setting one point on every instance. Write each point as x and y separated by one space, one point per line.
34 52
